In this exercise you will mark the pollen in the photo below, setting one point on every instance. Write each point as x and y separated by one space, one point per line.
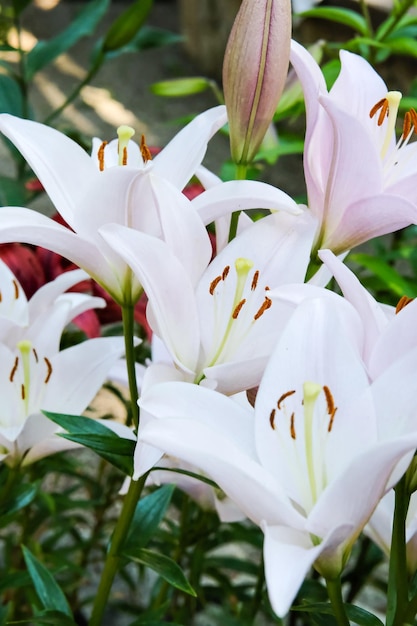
23 392
238 308
383 107
100 155
292 427
144 150
402 302
35 354
272 419
48 369
255 280
214 284
16 289
225 272
14 369
266 304
410 123
283 397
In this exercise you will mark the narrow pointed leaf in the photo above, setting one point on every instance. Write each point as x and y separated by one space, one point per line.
84 24
94 435
355 613
125 27
164 566
49 592
149 513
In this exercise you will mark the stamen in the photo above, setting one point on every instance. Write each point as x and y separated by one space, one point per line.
402 302
14 368
272 419
35 354
238 308
125 134
292 427
331 408
410 124
388 108
100 155
383 107
267 303
254 280
22 392
282 398
214 284
16 289
225 272
1 297
251 395
49 369
144 150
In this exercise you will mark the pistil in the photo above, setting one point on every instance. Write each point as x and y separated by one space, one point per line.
125 134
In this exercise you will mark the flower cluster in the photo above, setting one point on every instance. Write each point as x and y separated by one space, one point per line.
297 402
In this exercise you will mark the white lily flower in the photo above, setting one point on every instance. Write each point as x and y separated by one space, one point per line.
312 461
361 182
120 184
221 332
23 319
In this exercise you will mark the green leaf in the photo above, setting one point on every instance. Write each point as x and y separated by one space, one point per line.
54 618
148 514
164 566
181 86
49 592
11 100
12 192
84 24
355 613
347 17
402 45
126 26
94 435
20 497
399 285
4 611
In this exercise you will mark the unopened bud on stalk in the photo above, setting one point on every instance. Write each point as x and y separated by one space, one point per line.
254 71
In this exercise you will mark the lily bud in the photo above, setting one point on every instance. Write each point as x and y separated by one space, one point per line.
254 71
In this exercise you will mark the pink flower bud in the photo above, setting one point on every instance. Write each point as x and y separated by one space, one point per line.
254 71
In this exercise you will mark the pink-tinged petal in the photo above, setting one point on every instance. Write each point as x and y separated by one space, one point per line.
355 70
89 364
370 217
167 286
178 161
395 340
62 166
373 317
355 167
239 195
288 556
223 461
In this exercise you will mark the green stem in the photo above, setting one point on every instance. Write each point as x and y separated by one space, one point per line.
241 171
113 558
74 94
334 589
389 25
397 594
128 330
